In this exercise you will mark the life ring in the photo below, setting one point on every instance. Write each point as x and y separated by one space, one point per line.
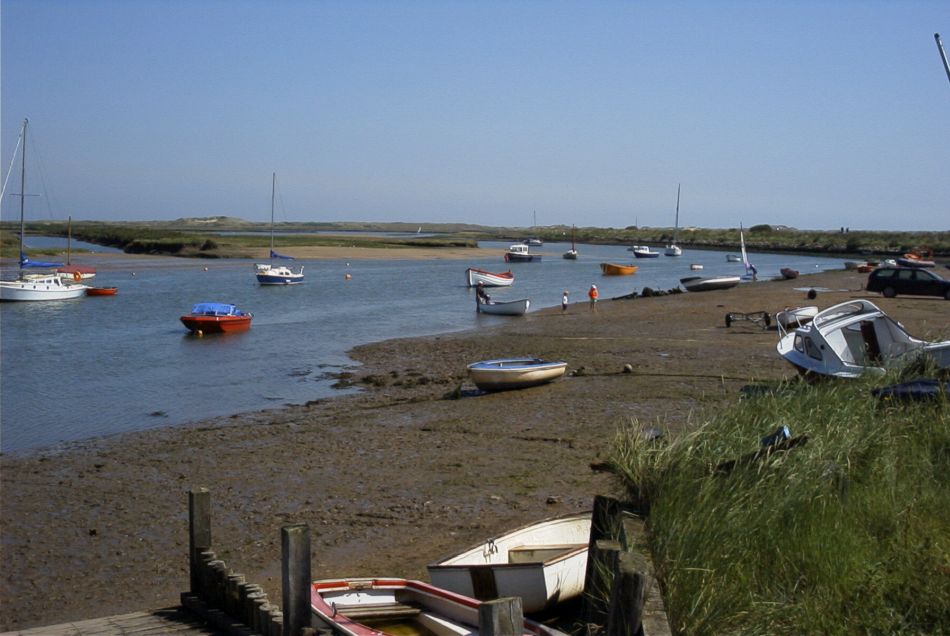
77 276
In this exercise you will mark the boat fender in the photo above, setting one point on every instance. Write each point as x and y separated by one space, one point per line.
77 276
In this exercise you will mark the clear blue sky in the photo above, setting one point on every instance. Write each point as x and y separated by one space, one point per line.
815 114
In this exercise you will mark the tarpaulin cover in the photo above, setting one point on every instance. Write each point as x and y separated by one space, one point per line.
274 254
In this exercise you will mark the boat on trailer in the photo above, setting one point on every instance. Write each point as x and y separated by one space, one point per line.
514 373
385 606
216 318
474 276
853 338
544 563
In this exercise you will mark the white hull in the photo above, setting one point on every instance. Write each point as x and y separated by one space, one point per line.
673 250
38 289
543 563
476 276
793 317
853 338
709 283
515 373
509 308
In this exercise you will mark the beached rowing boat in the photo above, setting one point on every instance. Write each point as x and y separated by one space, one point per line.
708 283
386 606
514 373
543 563
505 308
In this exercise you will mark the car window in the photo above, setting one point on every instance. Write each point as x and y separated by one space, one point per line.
905 274
884 273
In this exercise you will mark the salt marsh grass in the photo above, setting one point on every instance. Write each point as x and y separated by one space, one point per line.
848 533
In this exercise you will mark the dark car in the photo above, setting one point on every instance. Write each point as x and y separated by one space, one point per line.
892 281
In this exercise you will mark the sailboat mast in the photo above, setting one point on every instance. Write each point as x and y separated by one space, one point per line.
22 189
273 190
69 239
943 54
676 227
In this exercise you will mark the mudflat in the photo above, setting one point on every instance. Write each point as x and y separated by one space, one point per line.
416 465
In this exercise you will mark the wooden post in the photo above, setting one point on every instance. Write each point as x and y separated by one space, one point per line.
295 577
604 524
625 614
501 617
199 532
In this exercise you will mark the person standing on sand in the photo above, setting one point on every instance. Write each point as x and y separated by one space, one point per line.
564 301
592 294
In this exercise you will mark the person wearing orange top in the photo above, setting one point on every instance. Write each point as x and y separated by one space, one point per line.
592 294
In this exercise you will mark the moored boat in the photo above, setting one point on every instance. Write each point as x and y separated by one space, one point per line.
543 563
514 373
102 291
571 254
708 283
384 606
616 269
474 276
672 249
216 318
852 338
268 273
643 251
519 253
695 266
504 308
733 258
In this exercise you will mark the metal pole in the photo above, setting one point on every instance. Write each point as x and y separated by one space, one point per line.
22 189
943 54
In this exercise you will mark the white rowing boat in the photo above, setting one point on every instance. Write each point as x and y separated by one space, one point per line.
543 563
514 373
474 276
505 308
708 283
383 606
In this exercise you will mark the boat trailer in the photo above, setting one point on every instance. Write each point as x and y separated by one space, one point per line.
760 318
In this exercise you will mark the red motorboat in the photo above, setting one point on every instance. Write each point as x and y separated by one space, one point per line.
102 291
216 318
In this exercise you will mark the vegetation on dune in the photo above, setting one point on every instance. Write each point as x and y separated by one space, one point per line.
211 237
848 533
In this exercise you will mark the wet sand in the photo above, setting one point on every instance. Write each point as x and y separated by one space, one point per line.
415 466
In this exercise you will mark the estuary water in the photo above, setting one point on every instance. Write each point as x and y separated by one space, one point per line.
97 366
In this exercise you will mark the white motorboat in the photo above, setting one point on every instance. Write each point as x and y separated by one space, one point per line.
35 287
708 283
543 563
792 317
474 276
504 308
514 373
381 606
853 338
268 273
643 251
519 253
733 258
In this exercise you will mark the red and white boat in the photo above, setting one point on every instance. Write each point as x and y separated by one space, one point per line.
384 606
474 276
216 318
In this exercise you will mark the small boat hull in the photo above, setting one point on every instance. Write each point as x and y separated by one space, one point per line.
102 291
514 373
643 251
518 253
474 276
673 250
280 275
709 283
507 308
362 607
615 269
733 258
570 255
543 563
216 318
788 273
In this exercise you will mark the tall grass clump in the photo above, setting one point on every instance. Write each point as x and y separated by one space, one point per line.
848 533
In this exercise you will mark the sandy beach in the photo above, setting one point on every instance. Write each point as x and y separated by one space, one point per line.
414 466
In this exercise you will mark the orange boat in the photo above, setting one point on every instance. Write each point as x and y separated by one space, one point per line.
102 291
216 318
613 269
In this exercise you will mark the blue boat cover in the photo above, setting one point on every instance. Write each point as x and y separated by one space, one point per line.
274 254
26 262
216 309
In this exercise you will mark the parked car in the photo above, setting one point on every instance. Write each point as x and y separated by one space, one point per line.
892 281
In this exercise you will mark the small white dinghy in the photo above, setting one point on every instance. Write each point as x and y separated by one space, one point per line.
852 338
544 563
474 276
708 283
382 606
514 373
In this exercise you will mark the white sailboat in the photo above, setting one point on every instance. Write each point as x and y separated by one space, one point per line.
35 287
268 273
750 271
673 249
571 254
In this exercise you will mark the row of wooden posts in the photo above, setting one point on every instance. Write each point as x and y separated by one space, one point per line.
613 599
